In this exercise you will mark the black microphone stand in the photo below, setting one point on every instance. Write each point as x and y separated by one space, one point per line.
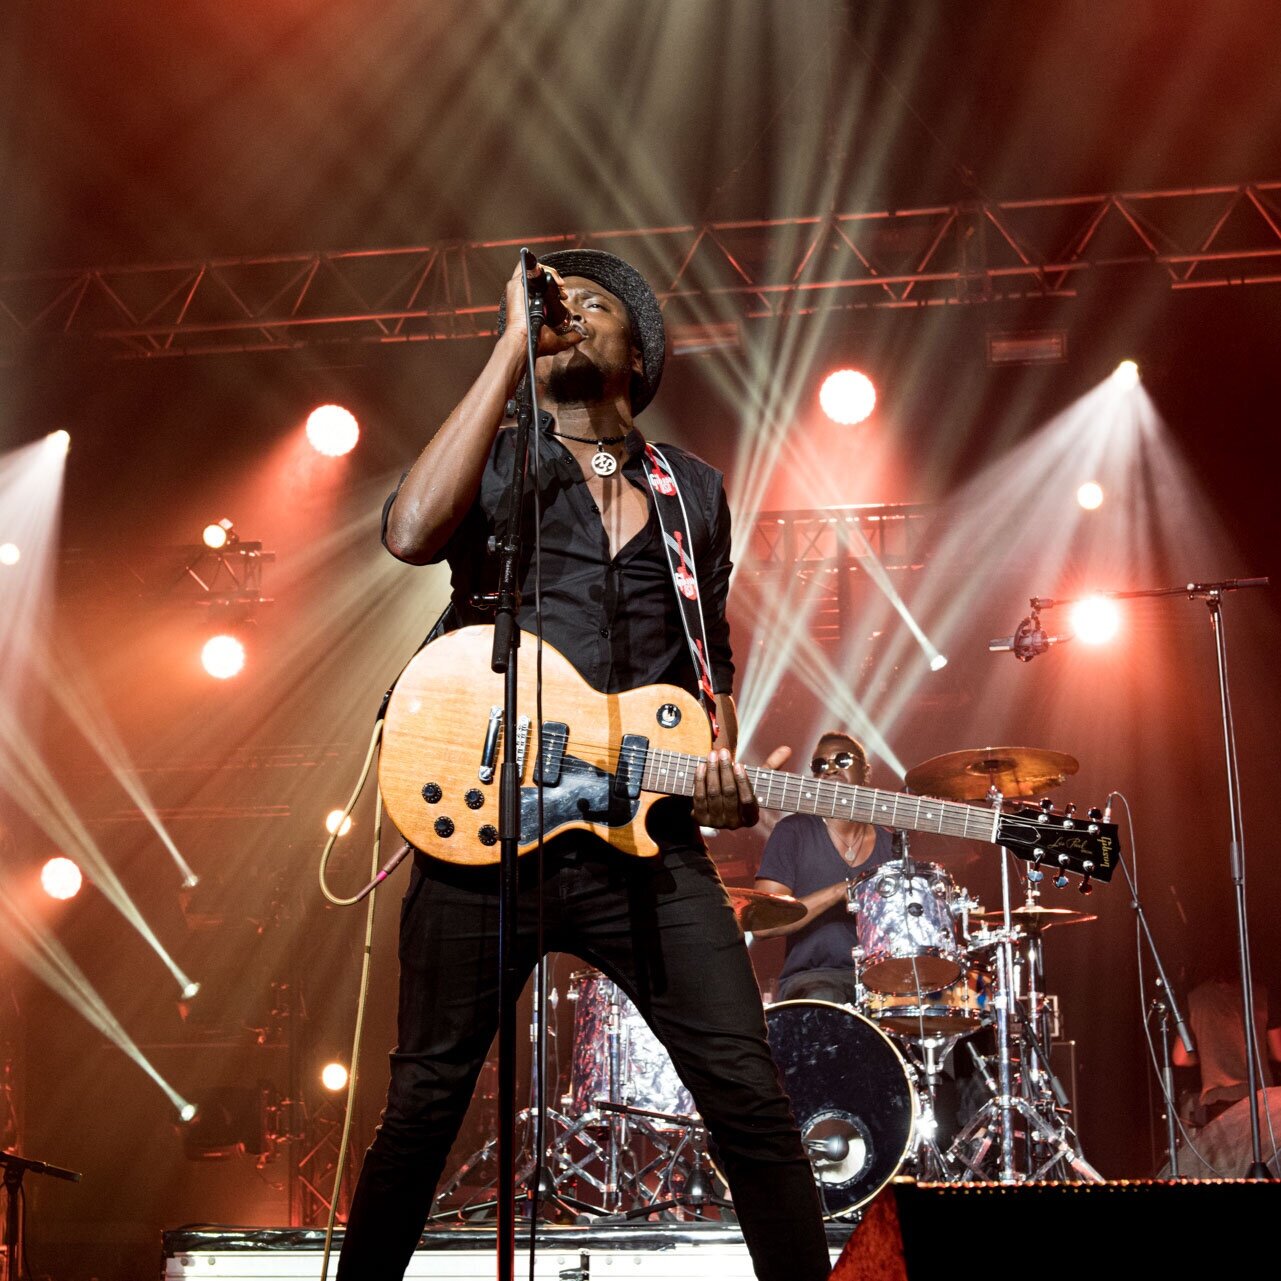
504 661
14 1168
1212 594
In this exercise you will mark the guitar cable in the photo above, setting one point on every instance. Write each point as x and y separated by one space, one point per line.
377 875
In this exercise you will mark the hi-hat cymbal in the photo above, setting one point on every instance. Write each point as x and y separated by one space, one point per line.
757 910
970 774
1035 916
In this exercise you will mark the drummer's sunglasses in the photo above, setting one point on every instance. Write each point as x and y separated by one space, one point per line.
830 764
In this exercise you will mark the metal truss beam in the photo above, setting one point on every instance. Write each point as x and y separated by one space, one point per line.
942 255
830 548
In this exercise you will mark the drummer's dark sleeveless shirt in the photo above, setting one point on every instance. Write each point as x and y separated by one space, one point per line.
800 855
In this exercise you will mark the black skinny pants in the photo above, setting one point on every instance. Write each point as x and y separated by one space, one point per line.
664 931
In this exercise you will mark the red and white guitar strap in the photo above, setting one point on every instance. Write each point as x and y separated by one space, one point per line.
673 520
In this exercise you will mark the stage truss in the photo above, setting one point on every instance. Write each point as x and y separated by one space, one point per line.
709 275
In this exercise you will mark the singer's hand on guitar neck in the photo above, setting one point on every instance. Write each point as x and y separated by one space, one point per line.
723 795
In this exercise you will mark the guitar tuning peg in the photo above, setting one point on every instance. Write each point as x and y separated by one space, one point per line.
1071 809
1060 881
1035 875
1096 814
1046 804
1085 887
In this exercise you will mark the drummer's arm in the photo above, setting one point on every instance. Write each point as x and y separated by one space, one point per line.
815 905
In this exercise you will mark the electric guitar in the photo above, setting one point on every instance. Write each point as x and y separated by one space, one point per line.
607 758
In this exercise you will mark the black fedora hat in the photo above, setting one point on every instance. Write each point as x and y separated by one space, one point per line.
632 289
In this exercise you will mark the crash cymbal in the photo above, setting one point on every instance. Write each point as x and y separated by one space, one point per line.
757 910
1013 771
1035 916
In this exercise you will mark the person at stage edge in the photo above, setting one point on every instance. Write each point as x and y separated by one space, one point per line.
817 860
661 928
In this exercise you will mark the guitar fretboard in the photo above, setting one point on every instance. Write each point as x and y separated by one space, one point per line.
673 774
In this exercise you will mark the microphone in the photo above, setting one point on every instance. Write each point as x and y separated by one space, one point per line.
1028 641
544 292
833 1148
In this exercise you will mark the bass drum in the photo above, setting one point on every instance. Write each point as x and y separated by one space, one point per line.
852 1096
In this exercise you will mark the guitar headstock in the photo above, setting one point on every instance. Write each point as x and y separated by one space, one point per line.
1061 843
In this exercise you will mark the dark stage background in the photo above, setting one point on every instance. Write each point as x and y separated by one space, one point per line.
150 132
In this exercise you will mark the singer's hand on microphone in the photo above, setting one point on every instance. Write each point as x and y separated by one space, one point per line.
550 340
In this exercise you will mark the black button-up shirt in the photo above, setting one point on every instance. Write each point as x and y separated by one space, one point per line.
615 618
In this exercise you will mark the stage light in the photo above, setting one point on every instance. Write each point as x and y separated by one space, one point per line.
332 430
61 878
59 441
223 657
938 662
10 554
218 535
332 820
1126 375
1095 620
1090 495
190 991
333 1076
187 1113
847 397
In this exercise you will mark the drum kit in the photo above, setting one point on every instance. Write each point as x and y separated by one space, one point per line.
932 970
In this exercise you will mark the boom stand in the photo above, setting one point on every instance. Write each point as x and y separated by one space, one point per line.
14 1168
1212 594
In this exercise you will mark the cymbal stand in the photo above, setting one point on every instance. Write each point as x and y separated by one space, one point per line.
1005 1104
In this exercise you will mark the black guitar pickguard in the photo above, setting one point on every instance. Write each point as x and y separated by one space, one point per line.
582 793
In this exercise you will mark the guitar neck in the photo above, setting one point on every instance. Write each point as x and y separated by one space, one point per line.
673 773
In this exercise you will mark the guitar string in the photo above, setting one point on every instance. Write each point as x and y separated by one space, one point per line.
828 794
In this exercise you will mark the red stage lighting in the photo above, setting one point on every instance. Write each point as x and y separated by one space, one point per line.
847 397
1090 495
333 1076
1095 620
218 535
332 430
60 878
223 657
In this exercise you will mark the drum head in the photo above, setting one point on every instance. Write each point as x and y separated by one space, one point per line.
851 1094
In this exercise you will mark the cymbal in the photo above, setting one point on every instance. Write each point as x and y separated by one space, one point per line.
1035 916
757 910
968 775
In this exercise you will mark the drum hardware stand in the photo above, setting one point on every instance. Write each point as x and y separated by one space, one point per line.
697 1191
1005 1104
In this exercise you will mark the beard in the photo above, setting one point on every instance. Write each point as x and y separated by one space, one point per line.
579 381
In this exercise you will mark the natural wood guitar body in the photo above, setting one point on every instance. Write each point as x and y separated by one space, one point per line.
435 739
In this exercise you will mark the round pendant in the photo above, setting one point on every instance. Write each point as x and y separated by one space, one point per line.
604 464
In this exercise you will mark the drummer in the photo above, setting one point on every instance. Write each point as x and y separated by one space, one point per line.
818 860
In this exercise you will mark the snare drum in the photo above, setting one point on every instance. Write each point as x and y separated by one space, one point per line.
616 1056
956 1010
906 935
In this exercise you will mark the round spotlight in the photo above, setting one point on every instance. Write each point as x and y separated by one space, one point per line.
847 397
223 657
333 1076
938 662
333 819
1090 495
190 990
1095 620
187 1113
1126 375
61 878
218 535
10 553
332 430
59 441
